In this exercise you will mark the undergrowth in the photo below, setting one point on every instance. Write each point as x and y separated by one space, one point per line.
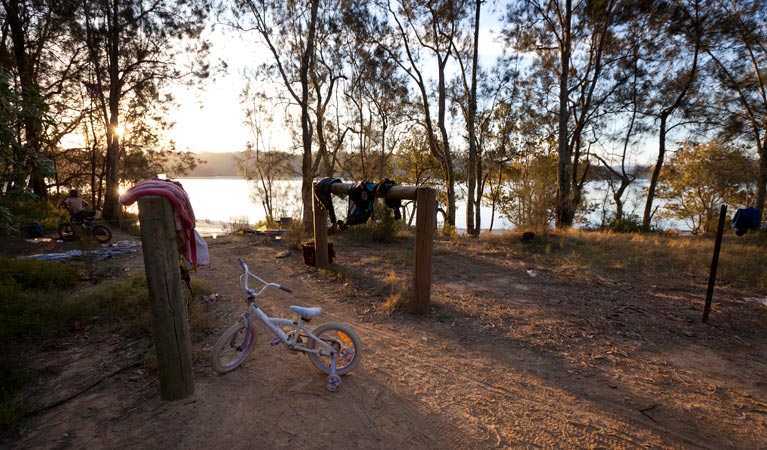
16 210
38 302
742 260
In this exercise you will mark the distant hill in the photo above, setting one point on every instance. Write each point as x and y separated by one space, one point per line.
215 165
221 164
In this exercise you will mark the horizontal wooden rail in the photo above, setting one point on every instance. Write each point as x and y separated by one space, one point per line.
397 192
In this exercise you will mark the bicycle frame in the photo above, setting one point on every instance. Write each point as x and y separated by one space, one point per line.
291 342
274 324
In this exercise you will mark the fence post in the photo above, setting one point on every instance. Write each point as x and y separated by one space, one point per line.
321 258
714 263
170 325
425 222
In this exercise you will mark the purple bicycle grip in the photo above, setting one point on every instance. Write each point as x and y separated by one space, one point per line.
286 289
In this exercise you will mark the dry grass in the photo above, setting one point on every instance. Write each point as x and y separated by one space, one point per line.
742 260
399 294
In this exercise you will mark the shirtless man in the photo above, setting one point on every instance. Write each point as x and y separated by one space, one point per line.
76 206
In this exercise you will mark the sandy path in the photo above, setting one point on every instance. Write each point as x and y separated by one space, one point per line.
451 381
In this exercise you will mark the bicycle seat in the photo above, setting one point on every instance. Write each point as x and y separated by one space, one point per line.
306 313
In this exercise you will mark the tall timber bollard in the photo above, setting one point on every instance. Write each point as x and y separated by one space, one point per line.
170 324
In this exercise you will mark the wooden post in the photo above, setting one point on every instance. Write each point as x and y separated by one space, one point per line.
321 258
714 264
425 221
170 325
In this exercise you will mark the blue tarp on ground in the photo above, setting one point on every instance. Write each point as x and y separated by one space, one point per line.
119 248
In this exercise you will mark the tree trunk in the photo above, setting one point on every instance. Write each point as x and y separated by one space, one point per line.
32 102
472 229
647 216
306 126
112 209
447 159
762 176
565 213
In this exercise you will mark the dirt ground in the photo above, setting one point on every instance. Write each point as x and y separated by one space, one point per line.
513 354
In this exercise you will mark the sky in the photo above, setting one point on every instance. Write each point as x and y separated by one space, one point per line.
211 118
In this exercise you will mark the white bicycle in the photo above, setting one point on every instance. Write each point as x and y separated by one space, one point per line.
333 348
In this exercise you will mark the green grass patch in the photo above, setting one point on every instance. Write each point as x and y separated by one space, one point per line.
37 302
123 306
30 305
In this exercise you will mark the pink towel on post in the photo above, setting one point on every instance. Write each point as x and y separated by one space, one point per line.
182 211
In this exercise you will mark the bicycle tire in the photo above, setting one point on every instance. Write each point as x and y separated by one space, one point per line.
345 340
233 346
67 232
102 233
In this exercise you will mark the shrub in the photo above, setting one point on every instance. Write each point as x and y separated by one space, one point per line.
124 305
20 209
399 293
27 305
380 228
129 223
295 232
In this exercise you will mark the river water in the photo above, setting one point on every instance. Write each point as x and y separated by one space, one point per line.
220 201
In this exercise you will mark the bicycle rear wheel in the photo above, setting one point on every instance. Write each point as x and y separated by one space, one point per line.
233 346
67 232
346 342
102 233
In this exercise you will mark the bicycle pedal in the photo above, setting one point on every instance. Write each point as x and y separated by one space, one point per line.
276 341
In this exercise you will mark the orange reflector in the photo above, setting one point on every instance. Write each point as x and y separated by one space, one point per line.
347 340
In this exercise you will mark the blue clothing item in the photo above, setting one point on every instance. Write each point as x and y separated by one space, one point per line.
745 219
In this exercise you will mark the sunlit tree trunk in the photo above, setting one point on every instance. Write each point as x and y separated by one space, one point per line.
473 222
112 209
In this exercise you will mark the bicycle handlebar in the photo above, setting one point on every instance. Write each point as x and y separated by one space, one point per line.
246 273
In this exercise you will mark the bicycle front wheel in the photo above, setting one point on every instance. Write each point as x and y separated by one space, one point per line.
102 234
233 346
67 232
346 342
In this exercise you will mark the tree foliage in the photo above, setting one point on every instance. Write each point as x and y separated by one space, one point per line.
374 89
702 177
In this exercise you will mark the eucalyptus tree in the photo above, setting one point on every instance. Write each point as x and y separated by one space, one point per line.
671 55
421 44
39 64
375 97
467 55
10 139
303 41
261 162
521 150
578 44
132 48
736 46
415 164
628 107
